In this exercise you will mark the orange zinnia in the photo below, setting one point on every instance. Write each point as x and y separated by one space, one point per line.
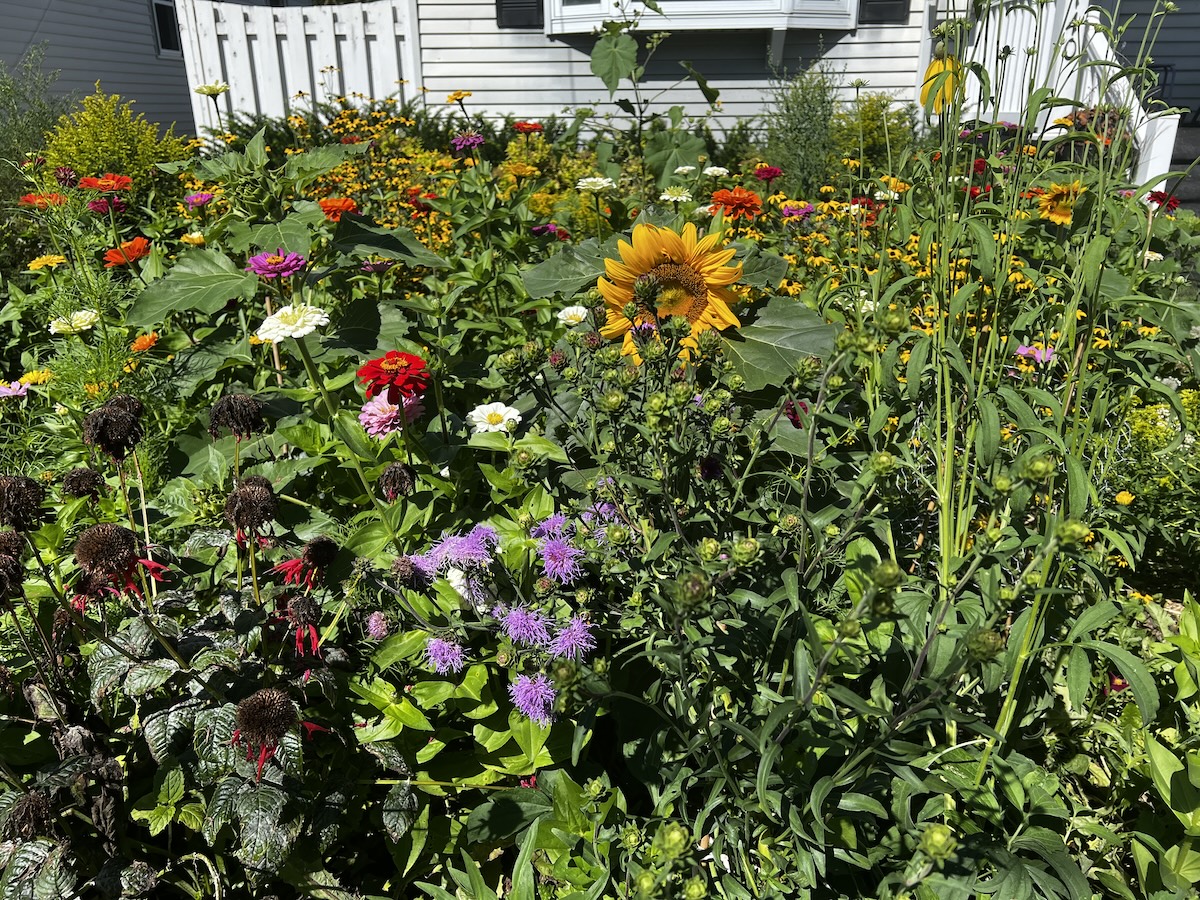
107 182
41 201
128 252
333 207
144 342
737 203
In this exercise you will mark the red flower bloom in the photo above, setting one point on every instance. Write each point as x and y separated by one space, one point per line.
737 203
767 174
1164 201
403 374
351 139
980 166
976 192
527 127
108 182
129 251
41 201
334 207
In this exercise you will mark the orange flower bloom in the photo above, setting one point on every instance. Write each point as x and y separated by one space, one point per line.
108 182
333 207
737 203
128 252
41 201
144 342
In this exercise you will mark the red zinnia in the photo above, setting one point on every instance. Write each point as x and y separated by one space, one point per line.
980 166
767 173
333 207
403 374
737 203
527 127
128 252
108 182
1164 201
41 201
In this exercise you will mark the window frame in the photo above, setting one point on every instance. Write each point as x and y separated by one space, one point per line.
161 51
586 16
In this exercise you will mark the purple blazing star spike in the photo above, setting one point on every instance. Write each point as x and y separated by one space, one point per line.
377 625
1037 354
560 560
466 141
534 698
552 526
573 640
599 514
525 626
445 656
469 551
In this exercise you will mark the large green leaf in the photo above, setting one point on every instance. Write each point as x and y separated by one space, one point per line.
265 839
570 270
362 237
614 57
399 810
203 280
785 332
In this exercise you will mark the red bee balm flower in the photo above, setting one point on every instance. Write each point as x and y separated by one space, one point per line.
108 182
128 252
334 207
403 374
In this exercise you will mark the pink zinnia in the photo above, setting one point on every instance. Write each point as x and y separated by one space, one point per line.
13 389
275 265
380 417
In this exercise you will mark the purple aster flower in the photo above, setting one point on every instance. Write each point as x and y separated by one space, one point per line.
195 201
599 514
573 640
377 625
1037 354
534 697
467 140
525 626
376 266
472 550
550 527
275 265
560 560
445 656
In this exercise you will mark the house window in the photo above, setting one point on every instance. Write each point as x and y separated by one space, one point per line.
881 12
583 16
166 28
519 14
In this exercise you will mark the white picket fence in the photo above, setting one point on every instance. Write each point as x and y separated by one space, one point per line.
277 59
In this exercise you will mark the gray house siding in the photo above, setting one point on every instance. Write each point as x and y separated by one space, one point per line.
1175 40
110 41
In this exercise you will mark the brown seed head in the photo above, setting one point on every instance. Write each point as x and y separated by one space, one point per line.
240 413
116 427
398 480
265 717
20 502
303 611
409 574
106 552
83 482
32 817
319 553
251 505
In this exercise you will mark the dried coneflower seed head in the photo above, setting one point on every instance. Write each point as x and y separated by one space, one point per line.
116 427
410 574
106 551
265 717
20 502
12 569
319 553
11 545
397 480
303 611
32 817
251 505
83 482
240 413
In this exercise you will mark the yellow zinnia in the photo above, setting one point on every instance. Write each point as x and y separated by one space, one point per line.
49 261
1058 203
690 276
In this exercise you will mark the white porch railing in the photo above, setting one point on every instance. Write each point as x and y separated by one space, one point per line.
1074 58
269 55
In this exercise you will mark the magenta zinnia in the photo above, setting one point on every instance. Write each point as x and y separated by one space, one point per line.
275 265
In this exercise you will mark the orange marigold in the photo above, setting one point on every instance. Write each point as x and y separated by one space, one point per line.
334 207
107 182
128 252
737 203
144 342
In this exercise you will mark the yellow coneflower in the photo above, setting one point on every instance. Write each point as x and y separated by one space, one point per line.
941 80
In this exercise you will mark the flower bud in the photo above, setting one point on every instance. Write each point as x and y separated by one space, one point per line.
849 628
645 883
617 535
645 292
611 401
695 888
709 549
1072 532
631 836
882 463
708 341
1038 469
887 575
893 321
745 551
1002 483
984 644
672 840
508 362
691 590
938 842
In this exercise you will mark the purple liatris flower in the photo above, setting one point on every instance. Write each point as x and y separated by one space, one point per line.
525 626
550 527
573 640
275 265
560 560
534 697
377 625
445 656
469 551
467 140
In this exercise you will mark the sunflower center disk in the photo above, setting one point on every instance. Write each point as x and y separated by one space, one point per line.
684 291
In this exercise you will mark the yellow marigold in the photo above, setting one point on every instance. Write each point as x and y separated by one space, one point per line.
1058 203
144 342
49 261
35 376
1124 498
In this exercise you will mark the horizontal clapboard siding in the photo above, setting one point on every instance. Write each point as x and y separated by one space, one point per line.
527 75
1177 43
110 41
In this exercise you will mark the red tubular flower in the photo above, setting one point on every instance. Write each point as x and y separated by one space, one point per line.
1164 201
403 374
108 183
129 251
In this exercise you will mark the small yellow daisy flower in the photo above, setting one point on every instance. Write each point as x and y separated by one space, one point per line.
1124 498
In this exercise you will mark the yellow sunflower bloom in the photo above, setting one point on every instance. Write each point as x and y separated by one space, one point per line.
691 276
1058 203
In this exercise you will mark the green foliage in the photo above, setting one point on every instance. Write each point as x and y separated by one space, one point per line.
874 129
106 136
799 127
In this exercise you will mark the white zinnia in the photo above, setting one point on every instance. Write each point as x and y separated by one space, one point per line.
492 417
675 194
716 172
76 322
572 315
215 89
685 170
1153 256
595 184
292 321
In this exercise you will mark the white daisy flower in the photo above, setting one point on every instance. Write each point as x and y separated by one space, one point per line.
292 321
215 89
493 417
685 170
715 172
84 320
675 194
1153 256
572 315
595 184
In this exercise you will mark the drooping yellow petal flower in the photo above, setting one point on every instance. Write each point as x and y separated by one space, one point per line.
941 80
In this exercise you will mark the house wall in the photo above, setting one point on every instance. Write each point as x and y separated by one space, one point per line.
527 75
111 41
1174 36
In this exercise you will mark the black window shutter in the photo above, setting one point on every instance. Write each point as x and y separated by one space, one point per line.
878 12
519 14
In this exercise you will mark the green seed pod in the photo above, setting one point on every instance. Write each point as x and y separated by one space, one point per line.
887 575
745 551
882 463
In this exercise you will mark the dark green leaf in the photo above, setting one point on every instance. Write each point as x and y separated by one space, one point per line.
1141 682
766 352
614 57
399 810
203 280
361 237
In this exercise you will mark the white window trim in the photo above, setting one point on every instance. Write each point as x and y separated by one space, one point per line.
564 17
